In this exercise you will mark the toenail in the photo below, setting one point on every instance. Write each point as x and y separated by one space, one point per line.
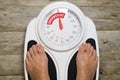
37 44
89 44
84 44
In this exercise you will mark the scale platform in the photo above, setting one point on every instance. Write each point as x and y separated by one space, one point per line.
61 27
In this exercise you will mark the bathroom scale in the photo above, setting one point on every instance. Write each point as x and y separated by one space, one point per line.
61 27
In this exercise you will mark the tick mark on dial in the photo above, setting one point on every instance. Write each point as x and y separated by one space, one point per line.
71 37
57 37
54 34
72 21
67 40
73 32
51 37
48 32
56 40
52 30
62 41
69 16
47 26
74 26
61 38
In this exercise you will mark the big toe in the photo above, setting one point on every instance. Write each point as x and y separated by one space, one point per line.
82 48
41 51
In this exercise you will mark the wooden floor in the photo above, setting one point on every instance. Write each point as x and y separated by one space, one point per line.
16 14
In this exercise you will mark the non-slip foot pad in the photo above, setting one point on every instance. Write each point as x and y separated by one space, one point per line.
72 69
51 65
92 42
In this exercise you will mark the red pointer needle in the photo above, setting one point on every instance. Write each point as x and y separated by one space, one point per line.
60 24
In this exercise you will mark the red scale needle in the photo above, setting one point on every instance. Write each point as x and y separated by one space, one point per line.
60 24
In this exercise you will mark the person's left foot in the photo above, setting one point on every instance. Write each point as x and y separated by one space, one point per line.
37 63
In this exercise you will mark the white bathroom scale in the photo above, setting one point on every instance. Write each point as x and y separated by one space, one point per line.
61 27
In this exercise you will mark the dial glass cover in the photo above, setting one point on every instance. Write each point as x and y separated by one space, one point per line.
60 29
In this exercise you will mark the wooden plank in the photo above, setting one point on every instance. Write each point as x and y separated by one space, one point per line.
101 12
96 0
109 41
109 67
107 24
89 3
20 24
16 18
93 12
109 56
12 78
101 77
13 65
109 63
110 77
13 42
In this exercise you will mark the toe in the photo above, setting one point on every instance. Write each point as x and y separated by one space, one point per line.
29 56
82 48
31 52
96 59
91 50
88 47
27 65
94 55
27 62
40 49
34 50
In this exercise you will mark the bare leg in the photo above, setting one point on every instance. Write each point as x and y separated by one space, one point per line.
86 62
37 63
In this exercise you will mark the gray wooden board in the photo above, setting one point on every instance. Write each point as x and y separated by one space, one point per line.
89 3
16 18
12 77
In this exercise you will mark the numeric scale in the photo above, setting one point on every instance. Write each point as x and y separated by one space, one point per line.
61 27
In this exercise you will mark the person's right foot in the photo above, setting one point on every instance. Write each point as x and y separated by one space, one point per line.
37 63
86 62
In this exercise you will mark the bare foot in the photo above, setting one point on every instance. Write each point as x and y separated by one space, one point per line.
86 62
37 63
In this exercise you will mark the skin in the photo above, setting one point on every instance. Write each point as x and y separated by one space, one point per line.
37 63
86 62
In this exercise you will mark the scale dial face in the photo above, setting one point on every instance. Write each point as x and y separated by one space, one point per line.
60 30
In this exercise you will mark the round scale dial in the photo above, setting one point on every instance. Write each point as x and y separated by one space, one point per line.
60 29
